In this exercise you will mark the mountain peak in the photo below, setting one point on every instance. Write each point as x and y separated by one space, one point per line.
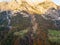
19 5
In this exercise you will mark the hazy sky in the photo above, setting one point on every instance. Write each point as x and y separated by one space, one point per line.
55 1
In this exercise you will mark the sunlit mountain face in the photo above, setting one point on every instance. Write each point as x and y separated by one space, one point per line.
31 6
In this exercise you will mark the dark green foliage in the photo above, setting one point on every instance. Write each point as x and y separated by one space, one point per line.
54 36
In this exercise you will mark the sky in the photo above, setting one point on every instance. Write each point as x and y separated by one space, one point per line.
55 1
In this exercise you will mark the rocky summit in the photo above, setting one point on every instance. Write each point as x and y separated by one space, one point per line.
19 5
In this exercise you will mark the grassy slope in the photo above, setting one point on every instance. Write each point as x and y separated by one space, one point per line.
54 36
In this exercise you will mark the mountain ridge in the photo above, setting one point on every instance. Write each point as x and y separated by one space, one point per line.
40 8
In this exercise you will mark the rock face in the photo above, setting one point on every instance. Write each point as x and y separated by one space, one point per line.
18 5
53 15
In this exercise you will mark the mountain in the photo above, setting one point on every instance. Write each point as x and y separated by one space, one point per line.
39 8
23 23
